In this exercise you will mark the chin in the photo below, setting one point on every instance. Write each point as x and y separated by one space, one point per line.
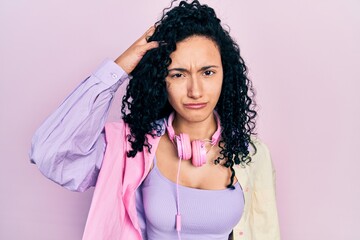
197 115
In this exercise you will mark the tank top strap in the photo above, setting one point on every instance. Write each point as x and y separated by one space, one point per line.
154 162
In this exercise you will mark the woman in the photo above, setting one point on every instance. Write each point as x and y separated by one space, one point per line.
183 162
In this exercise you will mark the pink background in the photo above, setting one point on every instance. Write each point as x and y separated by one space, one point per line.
304 61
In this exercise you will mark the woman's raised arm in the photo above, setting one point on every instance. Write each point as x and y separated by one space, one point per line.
69 146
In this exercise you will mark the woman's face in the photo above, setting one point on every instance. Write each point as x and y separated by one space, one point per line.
195 78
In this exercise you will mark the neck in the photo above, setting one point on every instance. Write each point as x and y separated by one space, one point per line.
196 130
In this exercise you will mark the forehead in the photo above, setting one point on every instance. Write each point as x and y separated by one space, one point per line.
198 50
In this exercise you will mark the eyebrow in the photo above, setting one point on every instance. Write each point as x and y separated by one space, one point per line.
187 71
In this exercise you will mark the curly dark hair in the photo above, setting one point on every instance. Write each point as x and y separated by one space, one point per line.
146 99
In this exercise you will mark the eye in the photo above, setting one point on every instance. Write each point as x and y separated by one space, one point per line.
177 75
208 72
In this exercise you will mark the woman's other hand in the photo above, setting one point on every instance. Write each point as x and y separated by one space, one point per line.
132 56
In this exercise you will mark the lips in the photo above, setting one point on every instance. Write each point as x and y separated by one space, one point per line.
195 105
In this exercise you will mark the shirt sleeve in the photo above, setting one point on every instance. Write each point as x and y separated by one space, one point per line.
69 146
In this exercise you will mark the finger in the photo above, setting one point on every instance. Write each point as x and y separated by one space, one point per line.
148 46
148 34
142 39
150 31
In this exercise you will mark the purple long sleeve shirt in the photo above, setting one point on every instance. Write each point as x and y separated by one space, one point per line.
68 147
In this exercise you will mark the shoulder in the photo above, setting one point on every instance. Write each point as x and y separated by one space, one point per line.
260 155
258 149
118 125
121 129
115 130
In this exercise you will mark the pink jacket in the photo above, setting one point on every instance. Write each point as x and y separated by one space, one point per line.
113 214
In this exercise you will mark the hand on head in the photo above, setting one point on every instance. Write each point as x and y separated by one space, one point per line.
129 59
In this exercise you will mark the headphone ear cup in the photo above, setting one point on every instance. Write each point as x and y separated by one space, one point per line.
198 153
183 146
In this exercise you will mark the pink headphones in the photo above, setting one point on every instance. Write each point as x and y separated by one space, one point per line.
196 150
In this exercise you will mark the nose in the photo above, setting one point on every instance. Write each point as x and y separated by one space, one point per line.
194 88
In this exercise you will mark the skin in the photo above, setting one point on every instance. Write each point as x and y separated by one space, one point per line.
129 59
193 85
195 77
